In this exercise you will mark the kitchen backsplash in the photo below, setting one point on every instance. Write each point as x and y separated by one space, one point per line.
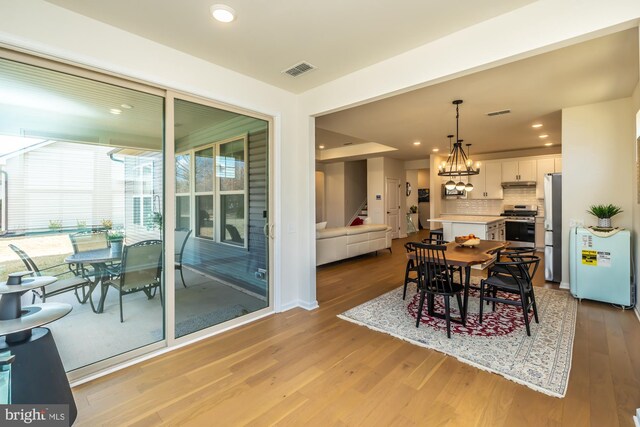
512 196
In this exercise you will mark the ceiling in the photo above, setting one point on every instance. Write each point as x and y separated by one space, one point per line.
336 36
534 89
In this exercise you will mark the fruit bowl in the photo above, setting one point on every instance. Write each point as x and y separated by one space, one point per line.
468 241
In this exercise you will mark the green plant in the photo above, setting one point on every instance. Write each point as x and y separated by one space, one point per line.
81 224
107 223
604 211
55 224
115 235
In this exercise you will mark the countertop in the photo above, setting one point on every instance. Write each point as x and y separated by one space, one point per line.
468 219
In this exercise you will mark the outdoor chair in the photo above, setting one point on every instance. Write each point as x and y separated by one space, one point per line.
515 278
60 286
435 277
181 235
84 241
140 271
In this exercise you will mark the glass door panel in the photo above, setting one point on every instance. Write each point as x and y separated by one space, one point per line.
223 269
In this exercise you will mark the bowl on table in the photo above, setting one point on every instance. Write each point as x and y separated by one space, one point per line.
467 241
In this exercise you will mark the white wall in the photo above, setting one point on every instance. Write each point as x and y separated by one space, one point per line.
38 26
598 152
334 190
355 187
320 196
635 197
423 178
375 190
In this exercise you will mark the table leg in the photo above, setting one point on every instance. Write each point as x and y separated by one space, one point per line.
101 279
467 284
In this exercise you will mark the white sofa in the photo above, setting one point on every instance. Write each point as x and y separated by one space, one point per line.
334 244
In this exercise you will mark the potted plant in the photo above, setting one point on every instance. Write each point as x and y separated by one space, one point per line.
604 214
116 237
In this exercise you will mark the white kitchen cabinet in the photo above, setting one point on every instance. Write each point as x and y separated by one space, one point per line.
543 167
557 164
518 170
487 184
540 234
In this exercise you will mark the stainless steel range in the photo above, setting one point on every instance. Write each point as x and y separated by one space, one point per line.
520 225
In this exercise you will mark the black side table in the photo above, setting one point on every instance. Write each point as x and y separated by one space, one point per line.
38 376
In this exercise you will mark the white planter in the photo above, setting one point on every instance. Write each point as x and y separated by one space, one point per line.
604 222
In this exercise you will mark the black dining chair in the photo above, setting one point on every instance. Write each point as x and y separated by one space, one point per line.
515 278
435 277
411 270
62 285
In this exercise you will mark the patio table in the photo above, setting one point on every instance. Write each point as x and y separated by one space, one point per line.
98 259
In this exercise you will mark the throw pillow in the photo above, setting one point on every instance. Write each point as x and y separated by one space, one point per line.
368 220
357 221
321 225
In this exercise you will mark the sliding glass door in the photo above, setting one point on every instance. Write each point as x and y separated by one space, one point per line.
224 257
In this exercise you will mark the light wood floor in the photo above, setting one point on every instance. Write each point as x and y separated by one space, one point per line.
311 368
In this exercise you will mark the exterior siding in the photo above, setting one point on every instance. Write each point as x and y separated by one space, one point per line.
66 182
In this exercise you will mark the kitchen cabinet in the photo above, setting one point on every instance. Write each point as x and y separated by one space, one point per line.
519 170
539 233
484 227
557 164
543 167
487 184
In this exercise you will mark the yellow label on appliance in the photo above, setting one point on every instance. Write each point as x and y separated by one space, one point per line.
590 257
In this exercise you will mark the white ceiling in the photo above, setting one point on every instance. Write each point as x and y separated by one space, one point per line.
340 37
535 89
337 36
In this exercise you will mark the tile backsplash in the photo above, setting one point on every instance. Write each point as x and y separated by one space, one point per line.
512 196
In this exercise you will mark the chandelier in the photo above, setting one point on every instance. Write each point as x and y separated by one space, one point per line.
459 163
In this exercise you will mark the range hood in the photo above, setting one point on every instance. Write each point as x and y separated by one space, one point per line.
512 184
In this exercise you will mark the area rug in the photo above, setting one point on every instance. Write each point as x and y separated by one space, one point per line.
499 345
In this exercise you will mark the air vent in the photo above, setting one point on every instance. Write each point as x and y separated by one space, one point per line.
498 113
298 69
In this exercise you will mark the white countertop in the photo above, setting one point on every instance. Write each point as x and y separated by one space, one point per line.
468 219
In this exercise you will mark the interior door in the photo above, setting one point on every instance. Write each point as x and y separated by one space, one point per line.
392 197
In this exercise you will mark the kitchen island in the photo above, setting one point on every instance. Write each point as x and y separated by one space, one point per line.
483 227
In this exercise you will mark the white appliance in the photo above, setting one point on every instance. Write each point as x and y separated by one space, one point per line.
600 267
553 227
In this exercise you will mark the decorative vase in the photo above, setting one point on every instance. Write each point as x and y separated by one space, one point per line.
116 246
604 222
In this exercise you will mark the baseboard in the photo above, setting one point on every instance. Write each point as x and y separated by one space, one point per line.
564 285
299 303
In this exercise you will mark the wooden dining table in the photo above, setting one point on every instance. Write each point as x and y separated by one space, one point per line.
480 256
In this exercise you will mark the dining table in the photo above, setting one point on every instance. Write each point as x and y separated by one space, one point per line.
99 259
479 256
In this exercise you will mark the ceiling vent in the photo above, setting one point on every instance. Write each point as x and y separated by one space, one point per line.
498 113
298 69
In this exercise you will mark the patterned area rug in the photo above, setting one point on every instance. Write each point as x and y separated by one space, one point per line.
500 344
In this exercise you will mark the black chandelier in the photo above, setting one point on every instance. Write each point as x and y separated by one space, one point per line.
459 163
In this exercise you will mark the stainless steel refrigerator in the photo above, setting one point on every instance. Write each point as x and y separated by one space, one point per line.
553 227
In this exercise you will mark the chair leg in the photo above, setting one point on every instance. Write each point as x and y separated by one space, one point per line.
482 289
463 315
534 305
121 315
525 311
182 277
33 297
406 277
447 314
422 293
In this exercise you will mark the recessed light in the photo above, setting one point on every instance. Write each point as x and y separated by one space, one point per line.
126 106
543 136
435 150
536 125
115 111
548 144
223 13
416 143
321 147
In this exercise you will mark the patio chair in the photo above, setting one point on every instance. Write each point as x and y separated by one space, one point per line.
84 241
140 270
58 287
182 235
